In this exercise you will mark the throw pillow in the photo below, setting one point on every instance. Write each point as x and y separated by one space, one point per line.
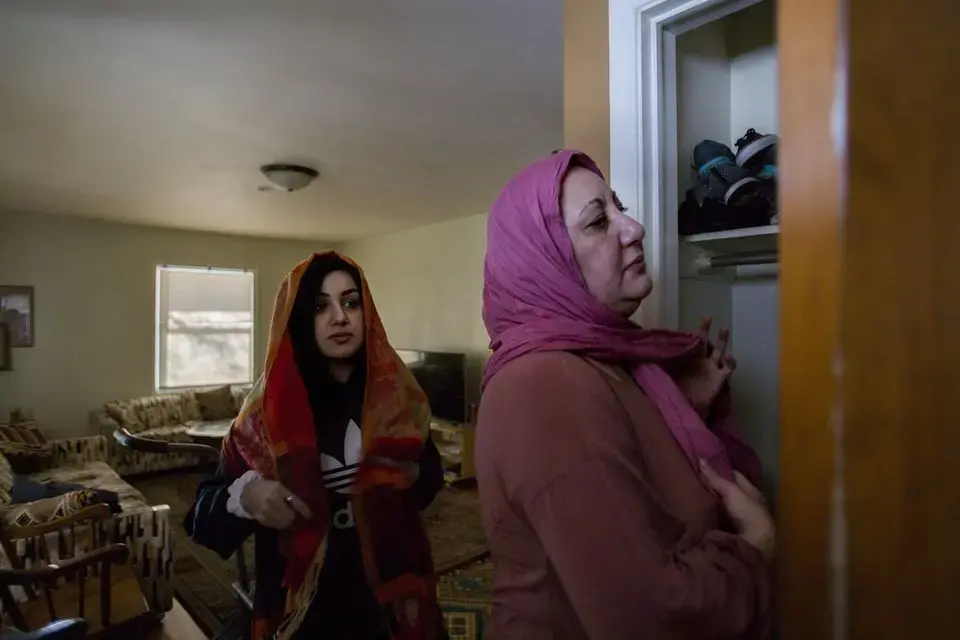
47 509
172 411
28 433
153 414
190 407
25 447
239 395
124 415
6 480
216 404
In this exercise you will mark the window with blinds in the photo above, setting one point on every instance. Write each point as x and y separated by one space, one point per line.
204 327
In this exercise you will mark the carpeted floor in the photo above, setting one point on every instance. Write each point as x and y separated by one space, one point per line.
202 578
465 598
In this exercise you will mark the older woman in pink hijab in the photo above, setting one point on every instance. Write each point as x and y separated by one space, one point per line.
617 493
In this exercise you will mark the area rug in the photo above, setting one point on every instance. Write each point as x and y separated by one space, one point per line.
465 597
202 579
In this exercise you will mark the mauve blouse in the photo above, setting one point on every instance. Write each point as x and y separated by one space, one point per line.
598 525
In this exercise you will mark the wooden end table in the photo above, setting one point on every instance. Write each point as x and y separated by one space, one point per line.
211 434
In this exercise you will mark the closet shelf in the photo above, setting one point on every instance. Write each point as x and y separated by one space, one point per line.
736 241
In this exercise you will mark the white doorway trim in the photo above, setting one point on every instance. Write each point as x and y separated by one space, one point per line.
643 129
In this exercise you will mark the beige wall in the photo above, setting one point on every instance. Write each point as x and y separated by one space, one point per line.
94 281
427 285
94 305
428 282
586 77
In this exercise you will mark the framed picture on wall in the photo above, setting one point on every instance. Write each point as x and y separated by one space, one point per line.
5 357
16 311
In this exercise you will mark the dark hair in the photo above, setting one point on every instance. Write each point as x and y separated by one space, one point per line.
313 366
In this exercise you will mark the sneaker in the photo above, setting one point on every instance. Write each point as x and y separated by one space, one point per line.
758 151
767 172
698 214
767 200
719 174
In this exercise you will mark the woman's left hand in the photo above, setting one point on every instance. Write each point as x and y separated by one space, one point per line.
411 470
703 382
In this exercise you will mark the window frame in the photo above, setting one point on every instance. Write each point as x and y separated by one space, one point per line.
161 331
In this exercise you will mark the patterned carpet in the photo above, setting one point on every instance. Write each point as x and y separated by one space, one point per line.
465 598
202 579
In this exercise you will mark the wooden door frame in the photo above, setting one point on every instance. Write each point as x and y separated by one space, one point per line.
811 162
869 505
870 215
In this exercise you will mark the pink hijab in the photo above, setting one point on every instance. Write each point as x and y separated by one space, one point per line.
534 299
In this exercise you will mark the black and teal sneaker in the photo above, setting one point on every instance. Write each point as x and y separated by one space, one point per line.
758 152
719 176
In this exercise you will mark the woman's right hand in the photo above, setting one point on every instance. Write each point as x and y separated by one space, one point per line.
747 507
271 504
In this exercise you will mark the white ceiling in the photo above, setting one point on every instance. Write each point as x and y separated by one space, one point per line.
161 111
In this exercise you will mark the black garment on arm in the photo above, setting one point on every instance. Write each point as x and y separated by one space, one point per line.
430 481
210 524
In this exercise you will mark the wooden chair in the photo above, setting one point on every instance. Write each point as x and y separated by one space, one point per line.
148 445
85 569
243 588
72 629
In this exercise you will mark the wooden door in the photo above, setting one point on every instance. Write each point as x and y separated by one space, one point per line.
870 333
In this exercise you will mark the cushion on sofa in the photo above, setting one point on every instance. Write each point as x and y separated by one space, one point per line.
150 412
216 404
171 433
6 480
153 414
97 475
24 434
53 508
191 408
239 395
160 411
25 447
124 415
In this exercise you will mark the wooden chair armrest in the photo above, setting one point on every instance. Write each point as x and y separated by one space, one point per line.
93 513
243 595
148 445
466 562
112 553
243 587
72 629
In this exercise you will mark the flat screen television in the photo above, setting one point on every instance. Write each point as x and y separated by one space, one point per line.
442 377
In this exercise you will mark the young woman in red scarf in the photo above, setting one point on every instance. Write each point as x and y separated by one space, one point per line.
328 464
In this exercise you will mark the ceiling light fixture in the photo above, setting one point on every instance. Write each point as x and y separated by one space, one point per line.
289 177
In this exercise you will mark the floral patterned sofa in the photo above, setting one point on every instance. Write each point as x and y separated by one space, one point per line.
144 528
165 417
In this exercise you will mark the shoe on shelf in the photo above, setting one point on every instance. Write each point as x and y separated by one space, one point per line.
758 152
699 214
767 172
767 201
719 175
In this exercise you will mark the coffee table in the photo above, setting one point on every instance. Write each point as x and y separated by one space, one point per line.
210 433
